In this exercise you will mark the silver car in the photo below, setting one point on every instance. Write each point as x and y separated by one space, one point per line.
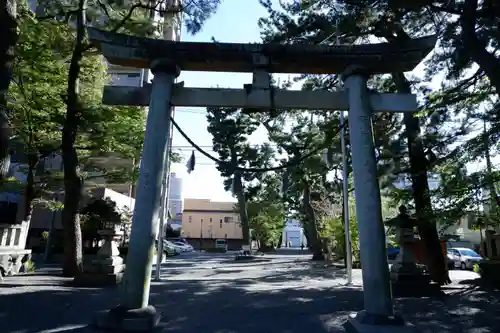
463 258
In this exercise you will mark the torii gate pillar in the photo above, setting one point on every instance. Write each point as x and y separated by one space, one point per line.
134 314
378 315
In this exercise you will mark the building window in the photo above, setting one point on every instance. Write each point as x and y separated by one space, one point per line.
201 220
220 224
210 220
190 219
133 74
228 219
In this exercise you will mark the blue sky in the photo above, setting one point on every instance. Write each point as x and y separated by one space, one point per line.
235 21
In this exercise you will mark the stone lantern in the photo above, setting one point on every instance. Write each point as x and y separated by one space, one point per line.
407 276
108 268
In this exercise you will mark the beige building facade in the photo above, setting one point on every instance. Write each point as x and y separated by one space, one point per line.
206 219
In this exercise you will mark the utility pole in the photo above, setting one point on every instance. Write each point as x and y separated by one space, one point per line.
345 183
171 31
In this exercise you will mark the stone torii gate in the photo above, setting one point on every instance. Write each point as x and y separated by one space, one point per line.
166 59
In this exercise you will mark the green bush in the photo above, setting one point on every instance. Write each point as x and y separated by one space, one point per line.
30 266
216 250
336 231
490 272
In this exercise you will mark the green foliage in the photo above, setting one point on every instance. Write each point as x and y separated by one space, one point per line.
337 231
37 98
449 114
30 266
266 212
99 212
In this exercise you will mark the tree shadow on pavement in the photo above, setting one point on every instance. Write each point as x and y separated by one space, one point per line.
270 304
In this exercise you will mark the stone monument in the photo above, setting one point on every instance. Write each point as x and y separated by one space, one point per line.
408 278
166 58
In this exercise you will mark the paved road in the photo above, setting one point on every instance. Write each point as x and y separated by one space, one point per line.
212 293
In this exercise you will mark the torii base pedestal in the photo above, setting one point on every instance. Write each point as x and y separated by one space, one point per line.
121 319
364 323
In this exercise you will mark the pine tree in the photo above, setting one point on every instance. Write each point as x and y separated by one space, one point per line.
230 129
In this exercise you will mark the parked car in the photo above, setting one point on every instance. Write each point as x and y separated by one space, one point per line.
449 260
174 246
463 258
178 239
392 252
185 247
168 249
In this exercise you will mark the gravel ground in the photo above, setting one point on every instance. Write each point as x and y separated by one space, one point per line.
211 293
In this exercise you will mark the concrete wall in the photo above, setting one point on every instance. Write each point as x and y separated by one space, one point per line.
209 219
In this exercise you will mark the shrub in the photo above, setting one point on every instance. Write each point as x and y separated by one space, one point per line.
30 266
337 229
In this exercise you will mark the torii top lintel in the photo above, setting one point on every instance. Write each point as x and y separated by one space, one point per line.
131 51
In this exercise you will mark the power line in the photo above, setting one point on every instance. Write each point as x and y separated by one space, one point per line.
295 161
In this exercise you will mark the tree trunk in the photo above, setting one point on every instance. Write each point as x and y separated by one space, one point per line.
418 169
310 223
8 31
242 205
280 240
474 48
29 192
73 184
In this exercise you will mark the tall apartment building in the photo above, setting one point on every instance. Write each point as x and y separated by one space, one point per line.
175 197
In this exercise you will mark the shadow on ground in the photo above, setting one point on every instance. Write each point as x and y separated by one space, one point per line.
269 304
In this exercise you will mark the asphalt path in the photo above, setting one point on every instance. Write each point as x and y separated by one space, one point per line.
213 293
